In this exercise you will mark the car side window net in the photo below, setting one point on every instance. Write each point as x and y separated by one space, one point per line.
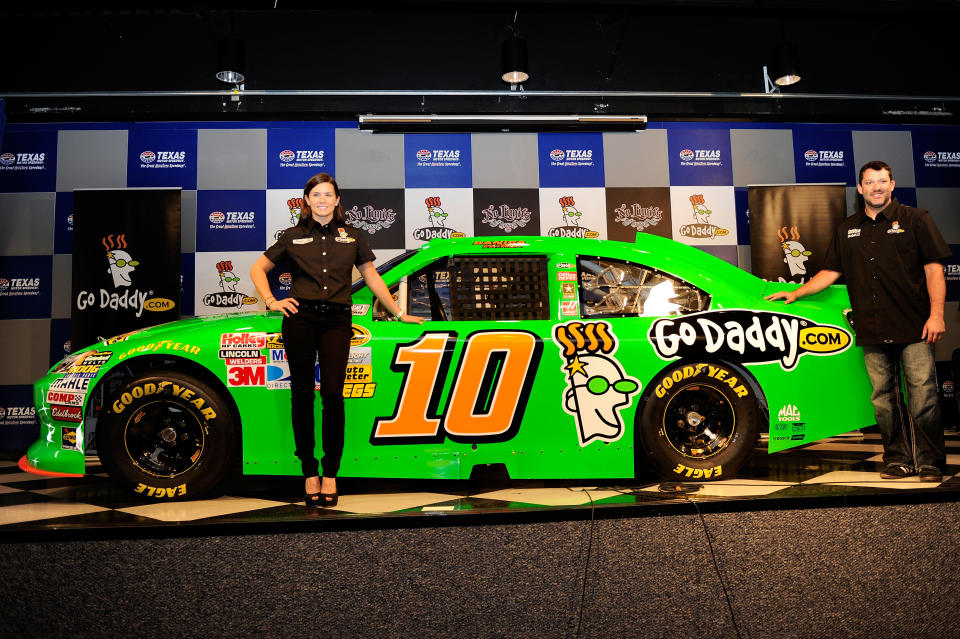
471 288
499 288
615 288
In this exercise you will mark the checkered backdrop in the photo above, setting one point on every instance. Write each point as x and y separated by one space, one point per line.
240 183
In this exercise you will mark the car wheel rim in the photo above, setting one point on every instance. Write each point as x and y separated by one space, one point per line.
164 440
699 422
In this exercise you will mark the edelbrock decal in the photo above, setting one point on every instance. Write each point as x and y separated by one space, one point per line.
751 337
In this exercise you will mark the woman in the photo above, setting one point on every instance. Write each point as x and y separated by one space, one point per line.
317 319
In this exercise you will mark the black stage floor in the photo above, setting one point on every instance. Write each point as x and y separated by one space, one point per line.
841 471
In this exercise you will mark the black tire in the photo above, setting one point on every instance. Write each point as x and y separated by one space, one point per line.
699 421
166 435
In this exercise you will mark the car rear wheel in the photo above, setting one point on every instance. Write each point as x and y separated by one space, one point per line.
699 422
168 436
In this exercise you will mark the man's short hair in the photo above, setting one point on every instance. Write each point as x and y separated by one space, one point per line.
876 165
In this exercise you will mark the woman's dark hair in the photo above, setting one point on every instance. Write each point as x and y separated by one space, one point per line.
306 216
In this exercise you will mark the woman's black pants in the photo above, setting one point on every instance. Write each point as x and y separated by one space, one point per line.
307 335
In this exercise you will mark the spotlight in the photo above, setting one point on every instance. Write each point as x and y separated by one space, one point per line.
785 69
514 60
231 60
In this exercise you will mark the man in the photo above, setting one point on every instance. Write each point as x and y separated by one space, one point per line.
892 257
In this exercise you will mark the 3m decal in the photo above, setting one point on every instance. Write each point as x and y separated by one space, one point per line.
751 337
488 391
597 386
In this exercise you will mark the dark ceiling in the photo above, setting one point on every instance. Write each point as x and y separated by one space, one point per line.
865 49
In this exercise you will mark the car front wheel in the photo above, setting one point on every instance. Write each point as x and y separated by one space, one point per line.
168 436
699 422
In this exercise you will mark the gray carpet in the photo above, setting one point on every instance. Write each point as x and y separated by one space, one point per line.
890 571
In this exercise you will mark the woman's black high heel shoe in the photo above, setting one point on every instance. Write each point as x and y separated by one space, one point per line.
313 499
327 500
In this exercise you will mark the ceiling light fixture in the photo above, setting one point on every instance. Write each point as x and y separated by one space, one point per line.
412 123
231 60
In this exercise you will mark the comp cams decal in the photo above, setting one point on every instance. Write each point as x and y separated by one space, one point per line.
597 388
751 337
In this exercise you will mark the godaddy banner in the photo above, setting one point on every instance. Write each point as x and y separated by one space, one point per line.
790 228
126 261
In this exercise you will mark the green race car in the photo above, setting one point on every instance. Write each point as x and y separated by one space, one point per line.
550 357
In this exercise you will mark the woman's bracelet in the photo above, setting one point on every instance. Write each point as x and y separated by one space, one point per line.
271 301
397 316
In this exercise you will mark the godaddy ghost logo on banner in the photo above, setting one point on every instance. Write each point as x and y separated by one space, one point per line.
436 223
597 387
571 221
795 254
229 297
120 267
701 228
295 204
121 263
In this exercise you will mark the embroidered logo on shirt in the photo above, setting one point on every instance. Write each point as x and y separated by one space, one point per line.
895 228
303 240
853 233
344 238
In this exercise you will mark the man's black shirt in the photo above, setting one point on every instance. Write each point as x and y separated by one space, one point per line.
322 259
882 261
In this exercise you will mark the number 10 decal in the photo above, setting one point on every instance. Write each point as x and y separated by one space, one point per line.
488 392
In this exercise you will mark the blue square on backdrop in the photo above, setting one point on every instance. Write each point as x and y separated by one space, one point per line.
26 284
28 161
19 426
742 208
699 157
437 160
59 339
296 155
63 222
570 159
162 157
936 156
823 156
231 220
188 283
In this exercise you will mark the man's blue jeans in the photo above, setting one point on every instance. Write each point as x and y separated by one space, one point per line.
902 444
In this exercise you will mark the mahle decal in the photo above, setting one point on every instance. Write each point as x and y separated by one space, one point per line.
597 386
751 337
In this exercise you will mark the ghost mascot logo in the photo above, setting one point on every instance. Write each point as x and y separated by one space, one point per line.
295 204
229 297
120 267
571 221
795 254
598 388
701 228
436 223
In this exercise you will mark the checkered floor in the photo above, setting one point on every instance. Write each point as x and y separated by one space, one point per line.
840 466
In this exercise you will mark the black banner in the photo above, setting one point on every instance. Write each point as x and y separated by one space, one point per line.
790 228
126 261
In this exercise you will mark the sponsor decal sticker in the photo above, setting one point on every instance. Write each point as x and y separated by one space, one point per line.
750 337
499 244
597 388
162 345
66 413
69 439
789 413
